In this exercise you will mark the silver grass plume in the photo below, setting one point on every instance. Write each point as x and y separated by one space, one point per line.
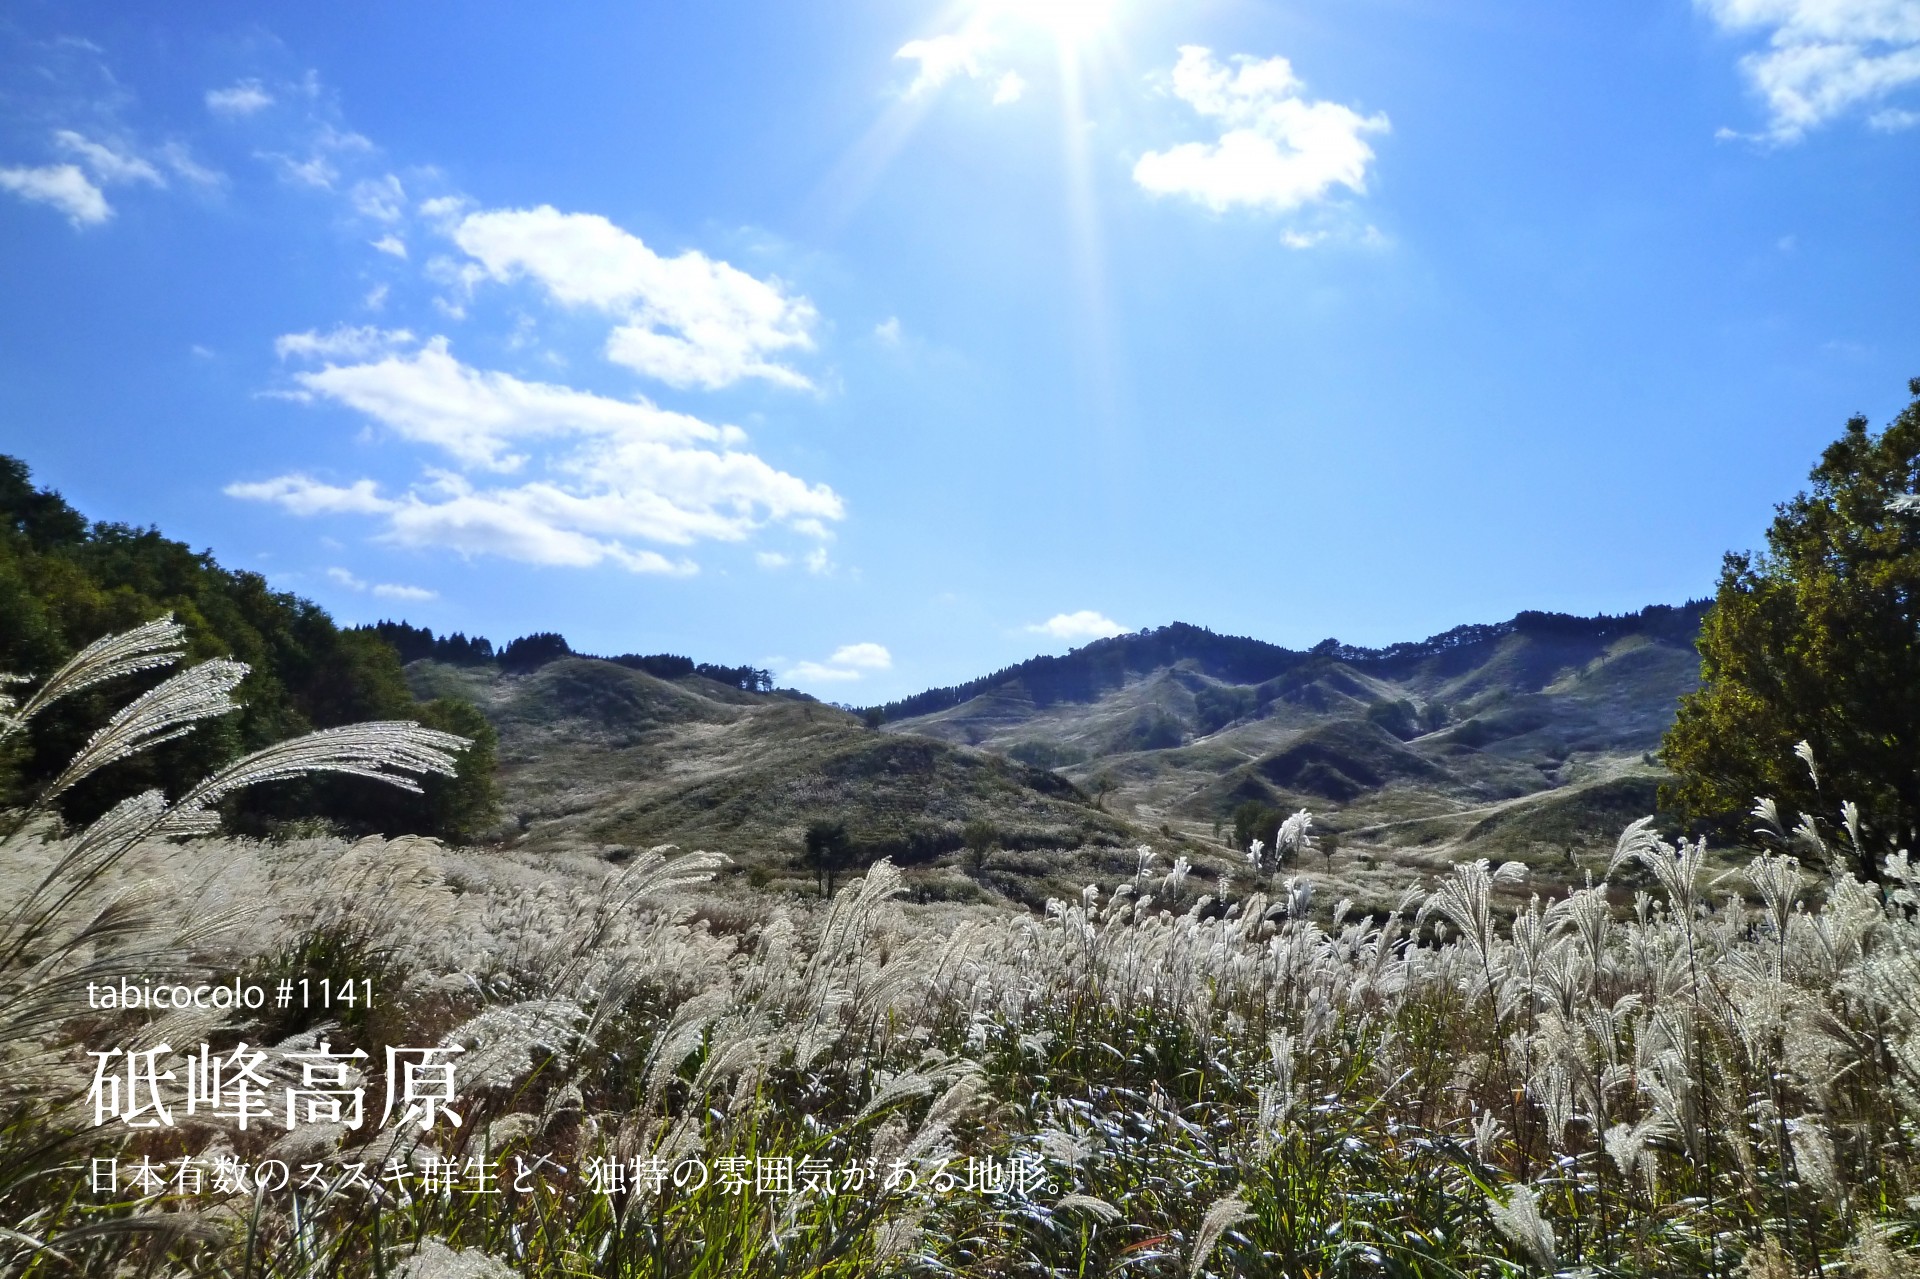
1221 1217
1638 842
159 643
389 751
1518 1218
1804 750
161 714
434 1260
504 1043
1099 1209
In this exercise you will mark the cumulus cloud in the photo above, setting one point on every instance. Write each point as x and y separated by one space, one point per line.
241 99
941 58
1083 625
888 331
1008 89
607 472
849 662
866 657
1276 150
64 187
391 245
476 415
1823 58
687 320
815 672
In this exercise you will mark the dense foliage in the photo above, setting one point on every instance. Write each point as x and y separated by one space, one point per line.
1817 640
65 581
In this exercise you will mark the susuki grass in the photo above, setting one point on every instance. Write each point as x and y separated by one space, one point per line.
1706 1076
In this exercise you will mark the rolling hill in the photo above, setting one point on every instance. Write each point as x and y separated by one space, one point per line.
1522 735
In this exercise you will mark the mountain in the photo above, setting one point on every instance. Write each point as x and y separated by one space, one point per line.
1529 738
1525 735
595 754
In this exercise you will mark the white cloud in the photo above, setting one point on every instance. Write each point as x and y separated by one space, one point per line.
301 495
1277 150
690 321
242 99
315 171
1824 58
474 415
1009 88
849 662
1083 625
816 560
814 672
941 58
343 341
399 591
381 590
376 299
392 245
63 186
866 657
771 559
181 161
382 199
609 472
1893 120
888 331
108 165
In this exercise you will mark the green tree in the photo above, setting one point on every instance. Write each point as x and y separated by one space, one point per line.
980 837
827 850
64 581
1818 640
1254 820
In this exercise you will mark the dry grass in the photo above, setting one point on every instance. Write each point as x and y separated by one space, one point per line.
1700 1076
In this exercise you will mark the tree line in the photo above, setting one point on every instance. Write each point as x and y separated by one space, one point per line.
65 581
529 653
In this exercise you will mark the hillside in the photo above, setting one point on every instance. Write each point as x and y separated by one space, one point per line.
598 755
1532 735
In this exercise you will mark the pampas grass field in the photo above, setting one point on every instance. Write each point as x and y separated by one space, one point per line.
1665 1072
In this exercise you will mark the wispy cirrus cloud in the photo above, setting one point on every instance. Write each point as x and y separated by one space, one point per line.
342 342
1276 149
381 590
244 98
1825 59
75 185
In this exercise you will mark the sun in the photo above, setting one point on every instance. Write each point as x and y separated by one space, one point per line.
1068 21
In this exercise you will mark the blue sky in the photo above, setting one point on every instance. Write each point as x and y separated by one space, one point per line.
887 343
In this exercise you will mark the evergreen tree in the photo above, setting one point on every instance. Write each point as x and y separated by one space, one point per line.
1817 640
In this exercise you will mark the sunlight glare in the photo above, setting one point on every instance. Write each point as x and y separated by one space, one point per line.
1067 21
